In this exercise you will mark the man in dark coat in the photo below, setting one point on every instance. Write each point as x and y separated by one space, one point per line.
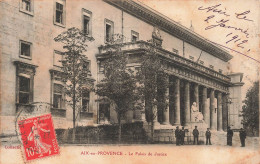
208 135
242 135
182 135
229 136
177 136
195 135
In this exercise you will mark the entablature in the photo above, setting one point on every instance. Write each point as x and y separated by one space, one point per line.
175 64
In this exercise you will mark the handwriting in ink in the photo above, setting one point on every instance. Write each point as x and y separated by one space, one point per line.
214 9
236 38
243 15
222 23
208 18
214 22
233 38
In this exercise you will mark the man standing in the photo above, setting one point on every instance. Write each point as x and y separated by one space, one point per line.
229 136
242 135
182 135
195 135
177 136
208 135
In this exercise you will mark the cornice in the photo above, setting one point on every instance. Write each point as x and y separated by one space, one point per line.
171 27
25 64
238 84
25 67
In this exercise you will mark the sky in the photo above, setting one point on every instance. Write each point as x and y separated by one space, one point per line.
230 23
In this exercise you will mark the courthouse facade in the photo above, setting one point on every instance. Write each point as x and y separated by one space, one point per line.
30 67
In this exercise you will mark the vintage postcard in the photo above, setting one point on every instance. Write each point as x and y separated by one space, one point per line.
129 81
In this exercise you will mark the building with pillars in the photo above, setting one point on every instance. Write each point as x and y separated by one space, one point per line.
30 66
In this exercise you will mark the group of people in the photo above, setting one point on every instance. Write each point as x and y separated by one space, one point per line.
242 136
180 135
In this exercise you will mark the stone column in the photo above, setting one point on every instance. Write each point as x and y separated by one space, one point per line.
196 94
177 110
225 112
219 114
212 110
205 109
166 111
187 102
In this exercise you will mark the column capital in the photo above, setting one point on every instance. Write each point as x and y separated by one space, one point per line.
218 91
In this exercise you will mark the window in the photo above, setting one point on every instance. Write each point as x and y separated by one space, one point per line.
26 6
85 101
191 57
211 66
57 58
220 71
134 36
101 66
104 112
58 96
59 13
24 82
175 51
86 68
86 20
109 30
86 65
24 90
201 62
25 49
59 18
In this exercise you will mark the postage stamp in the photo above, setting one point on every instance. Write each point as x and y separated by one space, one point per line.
38 137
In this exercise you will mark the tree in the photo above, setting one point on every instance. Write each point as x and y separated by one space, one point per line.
153 84
119 83
74 67
251 109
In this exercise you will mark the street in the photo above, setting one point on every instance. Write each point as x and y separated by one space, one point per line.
143 154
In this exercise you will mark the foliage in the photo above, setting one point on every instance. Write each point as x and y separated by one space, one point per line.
119 83
251 108
152 79
74 66
152 82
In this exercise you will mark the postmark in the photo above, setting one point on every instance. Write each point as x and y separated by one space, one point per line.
38 137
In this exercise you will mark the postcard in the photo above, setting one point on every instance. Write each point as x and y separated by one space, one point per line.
129 81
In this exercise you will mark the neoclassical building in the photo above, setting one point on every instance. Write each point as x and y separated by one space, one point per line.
30 67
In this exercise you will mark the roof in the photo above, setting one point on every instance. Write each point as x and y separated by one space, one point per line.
168 25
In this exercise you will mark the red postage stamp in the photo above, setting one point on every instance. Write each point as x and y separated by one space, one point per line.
38 137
